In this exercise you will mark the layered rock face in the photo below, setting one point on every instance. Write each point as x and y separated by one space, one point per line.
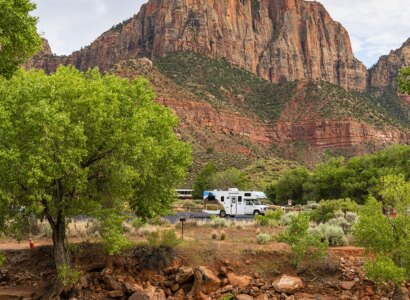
277 40
383 74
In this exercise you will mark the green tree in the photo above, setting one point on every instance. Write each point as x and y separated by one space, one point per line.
404 80
230 178
75 143
290 186
202 181
387 236
18 34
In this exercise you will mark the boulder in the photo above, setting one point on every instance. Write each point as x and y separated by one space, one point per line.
243 297
262 297
207 280
288 284
150 293
115 294
238 280
133 287
348 285
184 274
111 283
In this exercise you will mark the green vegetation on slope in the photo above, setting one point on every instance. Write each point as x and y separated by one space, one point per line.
225 86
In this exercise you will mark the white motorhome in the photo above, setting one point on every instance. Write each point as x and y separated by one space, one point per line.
234 202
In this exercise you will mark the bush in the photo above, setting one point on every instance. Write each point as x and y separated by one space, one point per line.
223 235
214 235
112 233
137 223
3 258
167 238
384 269
331 233
287 218
271 218
328 208
301 242
218 222
68 275
263 238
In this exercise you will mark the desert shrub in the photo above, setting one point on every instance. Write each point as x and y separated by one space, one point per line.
333 234
287 218
301 242
312 205
166 238
158 221
384 269
68 275
153 258
328 208
214 235
219 222
351 217
169 239
223 235
137 223
263 238
271 218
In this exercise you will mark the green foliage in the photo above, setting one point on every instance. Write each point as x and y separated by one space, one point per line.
289 186
229 178
263 238
82 144
18 34
386 236
228 296
384 269
328 208
166 239
337 178
3 258
218 222
112 233
68 275
301 241
271 218
203 180
333 234
404 80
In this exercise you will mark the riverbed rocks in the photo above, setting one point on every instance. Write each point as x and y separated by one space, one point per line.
288 284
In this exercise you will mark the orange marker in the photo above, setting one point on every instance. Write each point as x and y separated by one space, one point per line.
31 244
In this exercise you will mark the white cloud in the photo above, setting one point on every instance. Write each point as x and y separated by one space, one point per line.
375 26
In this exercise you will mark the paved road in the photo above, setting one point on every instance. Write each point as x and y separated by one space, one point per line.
201 216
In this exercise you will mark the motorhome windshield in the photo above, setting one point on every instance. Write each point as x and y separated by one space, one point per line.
256 202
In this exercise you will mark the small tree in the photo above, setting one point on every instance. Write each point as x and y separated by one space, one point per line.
18 34
74 143
203 180
387 236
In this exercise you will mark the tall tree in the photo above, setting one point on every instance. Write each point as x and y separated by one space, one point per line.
202 181
18 34
74 143
230 178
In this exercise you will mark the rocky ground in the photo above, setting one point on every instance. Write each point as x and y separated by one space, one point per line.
193 272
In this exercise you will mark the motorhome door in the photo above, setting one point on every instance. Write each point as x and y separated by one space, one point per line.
234 206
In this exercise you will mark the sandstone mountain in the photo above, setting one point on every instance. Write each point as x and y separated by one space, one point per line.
383 74
254 79
278 40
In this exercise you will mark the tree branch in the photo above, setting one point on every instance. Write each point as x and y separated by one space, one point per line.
96 158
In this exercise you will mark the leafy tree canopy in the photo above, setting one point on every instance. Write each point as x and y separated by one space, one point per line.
18 34
80 144
203 180
230 178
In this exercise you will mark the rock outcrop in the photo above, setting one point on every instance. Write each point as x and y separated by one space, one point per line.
277 40
383 74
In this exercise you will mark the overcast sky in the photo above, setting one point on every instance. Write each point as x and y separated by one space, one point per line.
375 26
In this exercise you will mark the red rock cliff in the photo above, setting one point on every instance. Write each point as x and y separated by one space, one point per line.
275 39
384 73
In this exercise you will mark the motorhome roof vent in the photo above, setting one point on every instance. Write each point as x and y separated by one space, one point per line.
233 190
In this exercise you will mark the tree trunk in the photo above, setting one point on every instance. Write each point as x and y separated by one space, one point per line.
60 256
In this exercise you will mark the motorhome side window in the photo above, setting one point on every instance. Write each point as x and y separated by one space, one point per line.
222 199
248 194
249 202
240 199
